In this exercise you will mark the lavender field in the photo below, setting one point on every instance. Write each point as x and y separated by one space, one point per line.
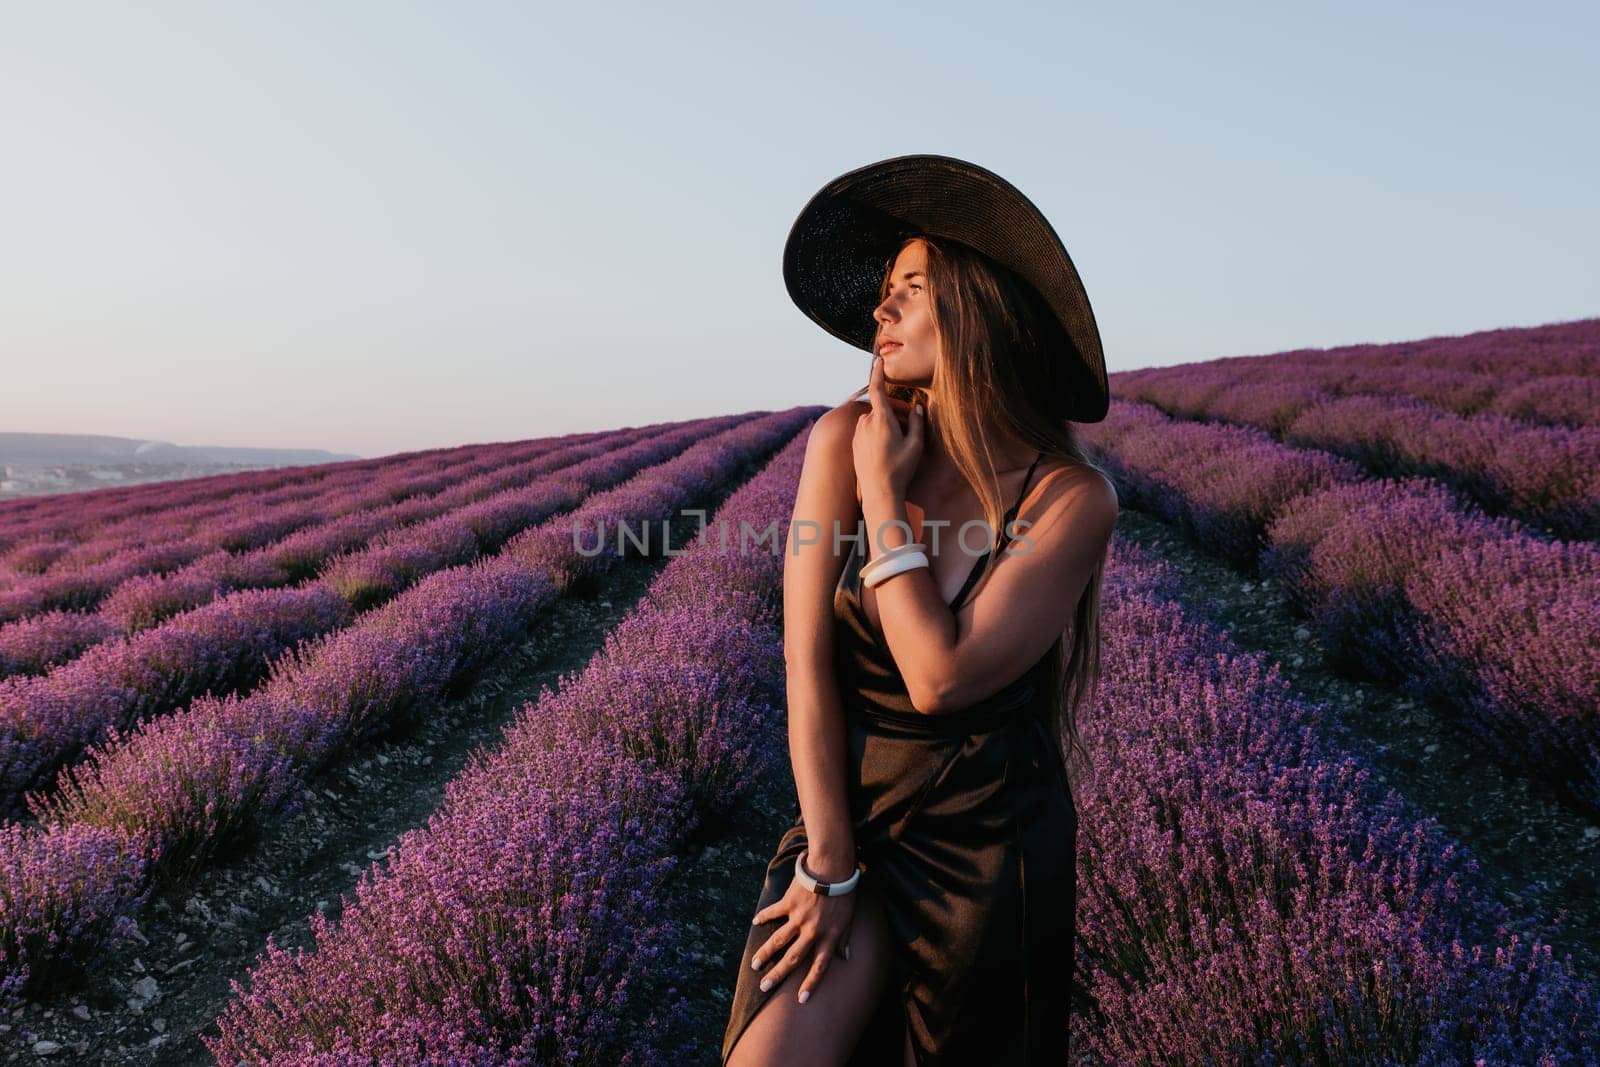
371 763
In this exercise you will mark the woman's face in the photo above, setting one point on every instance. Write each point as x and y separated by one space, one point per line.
905 318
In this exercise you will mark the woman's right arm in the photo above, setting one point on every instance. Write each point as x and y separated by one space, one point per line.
825 502
814 928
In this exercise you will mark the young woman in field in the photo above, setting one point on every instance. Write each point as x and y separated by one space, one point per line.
920 908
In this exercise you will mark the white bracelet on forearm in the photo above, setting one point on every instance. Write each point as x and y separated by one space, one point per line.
901 549
898 565
893 553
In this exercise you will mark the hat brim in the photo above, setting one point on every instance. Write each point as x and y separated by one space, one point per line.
843 239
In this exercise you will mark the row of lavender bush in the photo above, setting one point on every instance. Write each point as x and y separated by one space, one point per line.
1547 475
1403 580
228 644
33 644
211 518
515 925
159 543
216 486
1215 387
61 572
82 575
1246 896
175 789
1555 349
76 587
1486 620
231 523
81 516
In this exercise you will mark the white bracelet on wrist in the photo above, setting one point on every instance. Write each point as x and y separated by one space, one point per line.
818 886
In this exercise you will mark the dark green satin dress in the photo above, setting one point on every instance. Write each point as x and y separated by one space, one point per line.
964 824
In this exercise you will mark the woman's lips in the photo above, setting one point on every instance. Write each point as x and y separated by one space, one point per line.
887 347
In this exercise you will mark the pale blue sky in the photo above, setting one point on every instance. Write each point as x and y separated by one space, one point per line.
380 226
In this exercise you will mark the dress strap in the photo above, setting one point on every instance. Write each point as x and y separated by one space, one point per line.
1024 493
1000 542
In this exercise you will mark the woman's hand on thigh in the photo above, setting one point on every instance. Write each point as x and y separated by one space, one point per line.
817 928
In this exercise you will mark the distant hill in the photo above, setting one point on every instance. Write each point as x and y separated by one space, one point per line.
49 449
34 464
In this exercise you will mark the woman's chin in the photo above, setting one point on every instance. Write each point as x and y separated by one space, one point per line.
897 372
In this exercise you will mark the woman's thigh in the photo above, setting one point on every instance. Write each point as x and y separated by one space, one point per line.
824 1030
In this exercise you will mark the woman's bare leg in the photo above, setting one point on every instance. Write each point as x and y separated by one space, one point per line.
824 1030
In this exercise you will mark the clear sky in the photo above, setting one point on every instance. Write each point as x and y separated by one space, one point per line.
372 227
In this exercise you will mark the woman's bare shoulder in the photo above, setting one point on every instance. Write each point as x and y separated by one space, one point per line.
830 453
1063 479
837 425
831 444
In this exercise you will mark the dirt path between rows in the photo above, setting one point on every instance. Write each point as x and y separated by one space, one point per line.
712 895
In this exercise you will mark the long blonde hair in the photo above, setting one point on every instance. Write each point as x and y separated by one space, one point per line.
999 366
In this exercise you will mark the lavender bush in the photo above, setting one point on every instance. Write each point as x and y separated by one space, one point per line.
1342 556
1500 370
46 721
1245 896
1223 484
34 645
1547 475
1507 631
62 892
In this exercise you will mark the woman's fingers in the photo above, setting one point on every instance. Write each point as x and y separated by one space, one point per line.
877 393
773 945
797 954
818 966
776 910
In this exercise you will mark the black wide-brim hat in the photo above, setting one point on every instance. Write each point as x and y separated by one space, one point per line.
847 234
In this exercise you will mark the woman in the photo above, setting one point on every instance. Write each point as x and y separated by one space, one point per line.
920 908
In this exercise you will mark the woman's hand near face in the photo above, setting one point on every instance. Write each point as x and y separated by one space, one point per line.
885 456
818 928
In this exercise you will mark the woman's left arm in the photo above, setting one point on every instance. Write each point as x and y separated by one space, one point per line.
951 660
